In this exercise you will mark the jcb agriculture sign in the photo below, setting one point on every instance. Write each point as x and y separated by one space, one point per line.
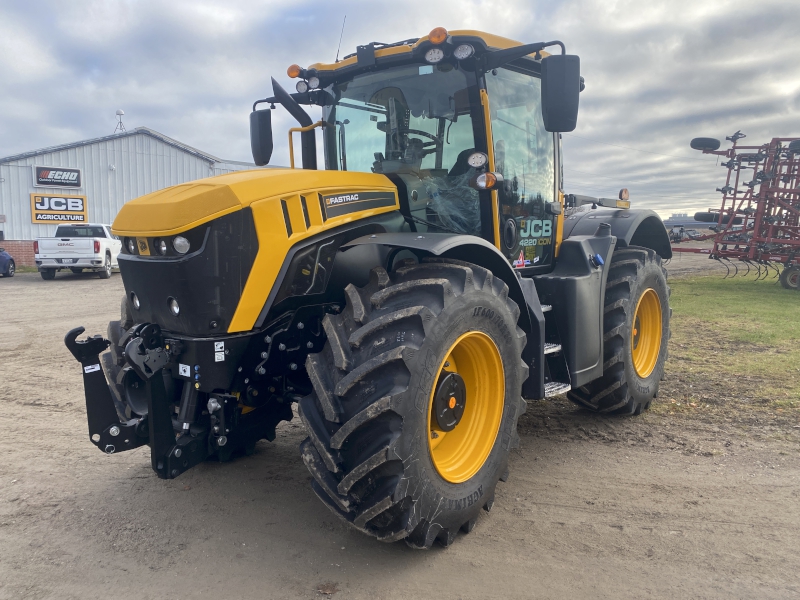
49 209
56 177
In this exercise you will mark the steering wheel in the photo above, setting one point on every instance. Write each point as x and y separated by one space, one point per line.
435 139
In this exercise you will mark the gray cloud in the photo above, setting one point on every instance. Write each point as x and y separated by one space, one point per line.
658 74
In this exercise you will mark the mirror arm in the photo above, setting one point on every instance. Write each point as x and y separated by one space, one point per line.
308 139
498 58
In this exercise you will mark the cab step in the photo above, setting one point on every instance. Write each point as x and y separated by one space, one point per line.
551 348
554 388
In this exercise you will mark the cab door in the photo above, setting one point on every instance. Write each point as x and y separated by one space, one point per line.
524 154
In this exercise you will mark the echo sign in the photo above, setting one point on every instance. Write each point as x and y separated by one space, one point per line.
49 209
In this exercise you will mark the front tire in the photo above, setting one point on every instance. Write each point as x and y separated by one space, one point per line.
10 270
380 458
636 331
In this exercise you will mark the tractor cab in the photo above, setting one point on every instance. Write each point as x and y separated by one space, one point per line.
457 123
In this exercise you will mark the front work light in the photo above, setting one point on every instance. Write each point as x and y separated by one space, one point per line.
437 36
434 55
181 244
313 82
463 51
301 87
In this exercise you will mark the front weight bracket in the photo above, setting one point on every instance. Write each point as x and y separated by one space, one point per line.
106 431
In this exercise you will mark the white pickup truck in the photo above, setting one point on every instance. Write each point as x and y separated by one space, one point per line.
81 247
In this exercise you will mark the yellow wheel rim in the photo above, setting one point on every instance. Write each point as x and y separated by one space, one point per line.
460 453
646 333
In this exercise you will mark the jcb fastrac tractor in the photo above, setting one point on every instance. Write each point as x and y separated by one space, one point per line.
408 298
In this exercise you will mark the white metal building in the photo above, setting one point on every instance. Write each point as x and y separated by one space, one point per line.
106 172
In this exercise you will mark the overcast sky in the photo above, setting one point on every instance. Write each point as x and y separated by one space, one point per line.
658 73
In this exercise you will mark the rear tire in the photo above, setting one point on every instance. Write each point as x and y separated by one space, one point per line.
790 278
48 274
369 418
106 272
636 282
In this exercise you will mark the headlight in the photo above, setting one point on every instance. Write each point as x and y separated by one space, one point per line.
313 82
161 246
463 51
434 55
131 246
135 301
181 244
173 306
301 87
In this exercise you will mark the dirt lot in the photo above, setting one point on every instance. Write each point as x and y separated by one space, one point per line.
672 504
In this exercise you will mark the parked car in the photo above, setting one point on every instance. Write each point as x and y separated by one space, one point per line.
78 248
7 265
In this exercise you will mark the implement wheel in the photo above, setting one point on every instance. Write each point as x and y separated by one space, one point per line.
636 326
790 278
416 398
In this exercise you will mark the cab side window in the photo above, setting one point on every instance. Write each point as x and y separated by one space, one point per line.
525 155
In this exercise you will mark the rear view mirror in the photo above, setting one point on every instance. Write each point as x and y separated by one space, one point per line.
561 87
261 136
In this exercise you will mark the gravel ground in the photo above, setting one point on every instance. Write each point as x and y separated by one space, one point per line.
656 506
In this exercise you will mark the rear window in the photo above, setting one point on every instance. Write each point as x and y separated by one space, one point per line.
73 231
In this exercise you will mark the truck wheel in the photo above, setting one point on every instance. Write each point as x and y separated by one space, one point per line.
415 401
10 269
636 326
48 274
790 278
106 272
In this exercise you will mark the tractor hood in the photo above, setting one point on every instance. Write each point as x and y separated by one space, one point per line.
183 207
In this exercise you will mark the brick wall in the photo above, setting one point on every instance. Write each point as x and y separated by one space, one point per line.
21 251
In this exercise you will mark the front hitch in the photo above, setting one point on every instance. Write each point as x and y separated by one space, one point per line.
106 431
145 353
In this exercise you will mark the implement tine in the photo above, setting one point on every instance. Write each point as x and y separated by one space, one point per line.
777 271
747 262
727 268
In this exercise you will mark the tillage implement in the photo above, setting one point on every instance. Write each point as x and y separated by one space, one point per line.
407 298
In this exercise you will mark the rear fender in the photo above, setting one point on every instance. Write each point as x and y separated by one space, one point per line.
638 227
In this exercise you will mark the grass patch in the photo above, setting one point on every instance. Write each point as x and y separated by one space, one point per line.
734 345
27 270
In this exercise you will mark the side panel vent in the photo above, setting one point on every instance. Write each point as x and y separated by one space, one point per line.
286 218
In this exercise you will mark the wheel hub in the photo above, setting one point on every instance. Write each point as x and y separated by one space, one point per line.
449 400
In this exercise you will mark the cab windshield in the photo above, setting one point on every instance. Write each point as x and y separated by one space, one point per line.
415 122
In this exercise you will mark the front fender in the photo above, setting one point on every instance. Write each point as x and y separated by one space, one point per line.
468 248
638 227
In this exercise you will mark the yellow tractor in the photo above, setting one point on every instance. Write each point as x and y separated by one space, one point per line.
408 298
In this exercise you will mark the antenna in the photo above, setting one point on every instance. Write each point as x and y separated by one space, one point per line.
340 38
120 126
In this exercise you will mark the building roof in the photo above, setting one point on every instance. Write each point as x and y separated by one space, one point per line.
138 131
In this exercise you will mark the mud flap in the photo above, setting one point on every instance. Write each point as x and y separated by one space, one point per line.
105 429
